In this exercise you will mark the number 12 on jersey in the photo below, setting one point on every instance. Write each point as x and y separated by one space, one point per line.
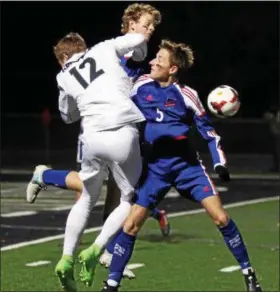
93 74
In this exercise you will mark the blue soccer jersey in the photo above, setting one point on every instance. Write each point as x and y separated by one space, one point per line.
170 112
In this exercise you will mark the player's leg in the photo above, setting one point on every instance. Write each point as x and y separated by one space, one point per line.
150 191
92 176
195 181
79 158
164 225
233 239
122 149
111 203
112 197
44 176
161 217
125 244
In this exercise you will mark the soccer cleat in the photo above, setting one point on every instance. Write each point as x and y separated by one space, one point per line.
252 283
36 184
65 272
108 288
127 273
105 260
164 224
88 258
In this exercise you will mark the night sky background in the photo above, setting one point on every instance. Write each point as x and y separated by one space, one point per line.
235 43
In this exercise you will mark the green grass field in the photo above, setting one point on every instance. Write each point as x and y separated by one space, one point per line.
189 260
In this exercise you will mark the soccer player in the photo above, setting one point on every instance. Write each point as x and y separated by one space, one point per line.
97 89
136 18
171 160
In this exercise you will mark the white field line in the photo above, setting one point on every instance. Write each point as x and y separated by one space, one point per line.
230 269
32 227
171 194
212 175
38 263
94 229
19 214
135 266
29 213
227 206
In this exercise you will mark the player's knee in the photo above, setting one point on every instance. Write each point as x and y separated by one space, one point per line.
131 226
73 182
221 219
78 195
135 220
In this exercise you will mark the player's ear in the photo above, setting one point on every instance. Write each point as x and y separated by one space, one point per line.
132 25
173 70
65 57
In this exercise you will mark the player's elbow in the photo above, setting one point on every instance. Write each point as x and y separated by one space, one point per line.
68 121
138 38
140 53
66 118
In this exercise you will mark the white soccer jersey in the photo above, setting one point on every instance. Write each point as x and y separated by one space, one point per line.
95 84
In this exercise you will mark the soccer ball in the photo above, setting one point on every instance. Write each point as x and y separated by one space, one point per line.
223 101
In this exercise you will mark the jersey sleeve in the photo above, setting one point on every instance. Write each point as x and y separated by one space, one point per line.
67 105
133 69
204 125
143 79
131 42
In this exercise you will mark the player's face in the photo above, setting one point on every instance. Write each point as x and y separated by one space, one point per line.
144 25
161 67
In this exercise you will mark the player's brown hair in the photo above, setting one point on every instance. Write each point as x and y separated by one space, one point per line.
135 11
181 55
69 45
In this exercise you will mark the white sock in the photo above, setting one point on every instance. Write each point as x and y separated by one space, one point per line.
113 224
112 283
246 271
76 222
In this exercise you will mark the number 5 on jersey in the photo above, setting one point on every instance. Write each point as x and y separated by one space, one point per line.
159 116
93 74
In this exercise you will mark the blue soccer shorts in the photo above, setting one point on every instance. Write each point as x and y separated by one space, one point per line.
191 181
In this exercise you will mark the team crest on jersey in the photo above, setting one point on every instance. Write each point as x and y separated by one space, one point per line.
149 97
170 102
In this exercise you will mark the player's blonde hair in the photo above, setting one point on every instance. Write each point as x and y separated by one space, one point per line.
69 45
181 55
135 11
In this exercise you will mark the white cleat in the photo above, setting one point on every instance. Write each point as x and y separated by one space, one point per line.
105 260
36 184
127 273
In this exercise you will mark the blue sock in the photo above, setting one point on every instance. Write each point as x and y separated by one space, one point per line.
111 245
155 214
121 256
236 244
55 177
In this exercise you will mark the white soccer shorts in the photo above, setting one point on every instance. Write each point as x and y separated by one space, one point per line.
116 149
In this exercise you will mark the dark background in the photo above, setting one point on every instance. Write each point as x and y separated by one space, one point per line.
235 43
